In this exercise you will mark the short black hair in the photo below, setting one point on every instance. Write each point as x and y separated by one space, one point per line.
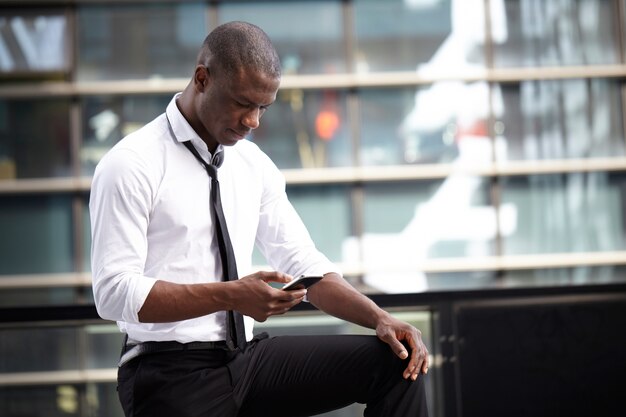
236 45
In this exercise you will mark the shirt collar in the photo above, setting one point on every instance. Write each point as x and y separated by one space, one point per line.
183 130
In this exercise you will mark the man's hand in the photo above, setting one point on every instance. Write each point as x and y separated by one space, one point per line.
393 332
335 296
254 296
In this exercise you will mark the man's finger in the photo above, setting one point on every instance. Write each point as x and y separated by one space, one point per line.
291 296
397 347
276 277
409 371
417 370
413 364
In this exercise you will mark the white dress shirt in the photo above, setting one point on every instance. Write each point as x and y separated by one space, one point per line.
151 220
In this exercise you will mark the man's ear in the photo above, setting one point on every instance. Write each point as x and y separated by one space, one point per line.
201 78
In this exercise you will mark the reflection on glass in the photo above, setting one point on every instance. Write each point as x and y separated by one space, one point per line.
565 276
34 138
308 36
138 41
106 120
104 343
61 400
552 33
560 119
36 234
443 281
325 210
40 349
582 275
102 400
404 126
33 41
306 129
579 212
401 35
407 223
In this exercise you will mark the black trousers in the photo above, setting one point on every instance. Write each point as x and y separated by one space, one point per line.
282 376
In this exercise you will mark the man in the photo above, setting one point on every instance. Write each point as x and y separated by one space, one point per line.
159 257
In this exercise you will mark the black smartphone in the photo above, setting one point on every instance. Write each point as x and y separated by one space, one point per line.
301 282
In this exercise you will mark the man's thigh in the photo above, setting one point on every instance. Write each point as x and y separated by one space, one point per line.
308 375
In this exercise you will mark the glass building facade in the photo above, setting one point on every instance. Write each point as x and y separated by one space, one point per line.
428 146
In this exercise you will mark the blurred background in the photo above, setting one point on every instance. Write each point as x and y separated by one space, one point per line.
463 161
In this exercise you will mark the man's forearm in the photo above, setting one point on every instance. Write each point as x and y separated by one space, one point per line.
168 302
250 295
335 296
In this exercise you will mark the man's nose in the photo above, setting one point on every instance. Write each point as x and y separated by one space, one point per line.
251 119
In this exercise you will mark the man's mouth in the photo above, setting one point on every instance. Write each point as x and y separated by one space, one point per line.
240 135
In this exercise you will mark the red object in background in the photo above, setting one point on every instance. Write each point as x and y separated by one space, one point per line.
478 128
326 124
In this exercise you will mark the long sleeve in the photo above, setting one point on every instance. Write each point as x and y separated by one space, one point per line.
120 200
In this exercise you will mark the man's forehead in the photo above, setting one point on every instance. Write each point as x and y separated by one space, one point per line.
254 85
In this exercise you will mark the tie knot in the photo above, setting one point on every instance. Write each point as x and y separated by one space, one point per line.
212 171
218 158
216 162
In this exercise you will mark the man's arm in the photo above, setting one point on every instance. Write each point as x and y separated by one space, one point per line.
335 296
251 296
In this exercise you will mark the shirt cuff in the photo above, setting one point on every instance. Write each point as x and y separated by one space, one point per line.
138 291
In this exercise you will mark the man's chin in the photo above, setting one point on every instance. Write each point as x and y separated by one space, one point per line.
230 141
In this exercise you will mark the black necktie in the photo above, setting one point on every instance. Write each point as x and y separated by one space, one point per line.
235 334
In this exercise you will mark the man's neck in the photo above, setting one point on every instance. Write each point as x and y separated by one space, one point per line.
185 104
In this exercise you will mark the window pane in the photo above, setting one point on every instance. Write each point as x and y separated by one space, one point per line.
38 296
400 35
560 119
407 223
552 33
405 126
306 129
40 349
33 41
39 401
580 212
104 343
36 234
139 41
34 138
442 281
103 401
307 35
106 120
61 400
325 210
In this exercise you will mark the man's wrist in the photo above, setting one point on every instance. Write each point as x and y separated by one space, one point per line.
222 295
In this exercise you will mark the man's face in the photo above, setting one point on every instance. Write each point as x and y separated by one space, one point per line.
231 105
